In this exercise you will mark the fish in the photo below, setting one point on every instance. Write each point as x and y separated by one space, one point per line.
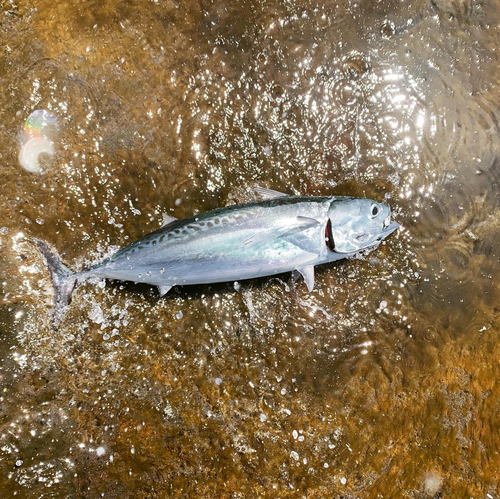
277 234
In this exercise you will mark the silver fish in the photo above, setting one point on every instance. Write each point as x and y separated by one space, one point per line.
278 234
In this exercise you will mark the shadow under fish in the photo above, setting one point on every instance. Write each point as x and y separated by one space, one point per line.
278 234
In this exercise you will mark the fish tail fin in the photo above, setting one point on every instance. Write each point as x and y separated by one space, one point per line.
63 281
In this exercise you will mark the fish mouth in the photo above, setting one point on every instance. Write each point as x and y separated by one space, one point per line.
386 231
389 228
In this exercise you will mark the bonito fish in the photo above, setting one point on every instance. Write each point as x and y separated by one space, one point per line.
278 234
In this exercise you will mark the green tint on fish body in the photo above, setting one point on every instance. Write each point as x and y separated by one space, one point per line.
277 234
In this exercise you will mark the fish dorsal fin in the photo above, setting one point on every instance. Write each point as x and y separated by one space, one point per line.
308 275
163 290
167 219
269 193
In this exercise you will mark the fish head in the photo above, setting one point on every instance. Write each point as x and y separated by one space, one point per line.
356 224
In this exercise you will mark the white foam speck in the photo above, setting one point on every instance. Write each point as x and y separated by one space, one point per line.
96 315
432 482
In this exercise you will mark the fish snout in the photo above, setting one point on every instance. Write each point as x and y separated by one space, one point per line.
388 226
389 229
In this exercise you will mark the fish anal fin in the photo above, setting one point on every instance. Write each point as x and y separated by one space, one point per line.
167 219
163 290
308 275
269 193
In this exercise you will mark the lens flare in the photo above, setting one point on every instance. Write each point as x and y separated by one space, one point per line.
39 130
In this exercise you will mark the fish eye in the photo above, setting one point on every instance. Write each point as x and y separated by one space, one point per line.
374 210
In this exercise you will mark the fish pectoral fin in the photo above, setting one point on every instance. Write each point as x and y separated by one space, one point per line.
303 223
307 222
265 236
268 193
163 290
308 275
167 219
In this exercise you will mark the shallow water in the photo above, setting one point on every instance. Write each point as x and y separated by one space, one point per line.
382 382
